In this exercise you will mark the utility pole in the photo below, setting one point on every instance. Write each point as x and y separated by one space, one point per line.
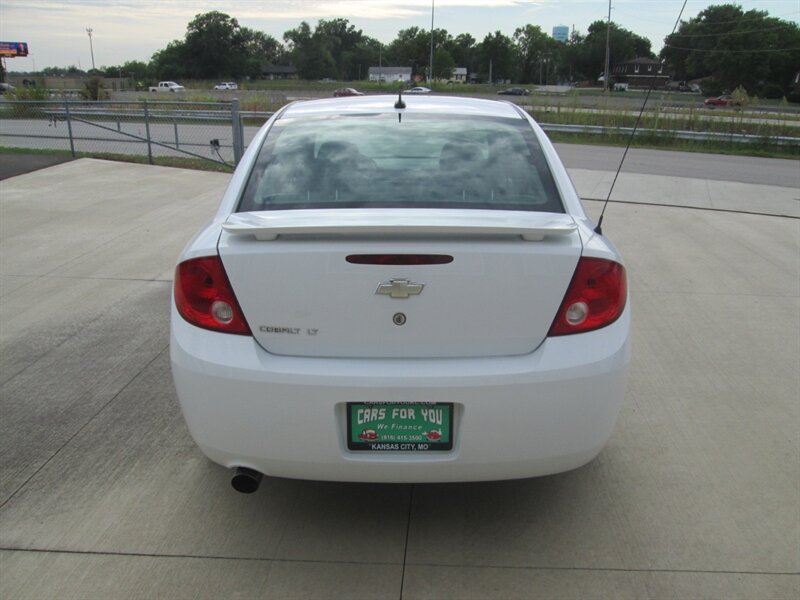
608 48
546 67
89 30
430 67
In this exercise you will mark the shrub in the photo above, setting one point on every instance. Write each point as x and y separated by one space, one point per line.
772 90
741 96
29 93
93 89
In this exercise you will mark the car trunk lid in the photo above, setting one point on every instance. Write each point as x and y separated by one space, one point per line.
340 283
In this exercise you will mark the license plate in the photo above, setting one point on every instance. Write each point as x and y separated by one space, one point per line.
399 427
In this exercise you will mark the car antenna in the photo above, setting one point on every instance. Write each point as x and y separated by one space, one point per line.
599 228
400 104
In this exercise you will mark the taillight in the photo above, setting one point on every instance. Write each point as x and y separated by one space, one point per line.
204 296
595 297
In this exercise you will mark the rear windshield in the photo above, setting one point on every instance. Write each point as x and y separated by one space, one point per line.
383 161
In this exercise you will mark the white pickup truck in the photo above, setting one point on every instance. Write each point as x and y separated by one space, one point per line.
166 86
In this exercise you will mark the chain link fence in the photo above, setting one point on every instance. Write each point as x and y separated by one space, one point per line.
182 133
162 132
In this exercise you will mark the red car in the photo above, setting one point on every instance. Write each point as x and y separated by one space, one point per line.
724 100
343 92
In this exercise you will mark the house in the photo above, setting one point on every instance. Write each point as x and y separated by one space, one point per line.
390 74
273 72
641 73
459 75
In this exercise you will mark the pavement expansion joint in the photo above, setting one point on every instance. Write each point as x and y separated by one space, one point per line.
84 426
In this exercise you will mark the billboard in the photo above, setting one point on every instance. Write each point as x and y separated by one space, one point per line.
12 49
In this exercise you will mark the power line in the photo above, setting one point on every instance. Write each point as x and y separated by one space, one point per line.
699 35
599 228
726 51
743 19
635 13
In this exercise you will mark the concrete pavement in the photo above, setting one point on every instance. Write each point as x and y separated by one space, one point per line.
103 494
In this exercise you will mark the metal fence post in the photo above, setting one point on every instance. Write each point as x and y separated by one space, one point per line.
177 143
238 133
147 131
69 127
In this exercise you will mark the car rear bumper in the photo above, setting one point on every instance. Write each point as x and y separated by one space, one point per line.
521 416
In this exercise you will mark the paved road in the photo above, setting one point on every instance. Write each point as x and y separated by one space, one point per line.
718 167
104 495
552 95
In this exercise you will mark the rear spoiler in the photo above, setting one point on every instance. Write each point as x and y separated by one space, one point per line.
268 225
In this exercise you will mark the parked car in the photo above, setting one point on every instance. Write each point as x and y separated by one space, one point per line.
344 92
389 299
6 87
227 85
724 100
419 90
514 91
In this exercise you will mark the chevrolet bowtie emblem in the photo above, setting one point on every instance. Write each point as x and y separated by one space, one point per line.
399 288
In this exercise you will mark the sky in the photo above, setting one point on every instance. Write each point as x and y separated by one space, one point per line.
125 30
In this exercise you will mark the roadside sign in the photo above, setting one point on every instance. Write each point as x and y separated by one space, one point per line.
12 49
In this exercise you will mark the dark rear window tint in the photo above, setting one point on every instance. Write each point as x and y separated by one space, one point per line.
381 161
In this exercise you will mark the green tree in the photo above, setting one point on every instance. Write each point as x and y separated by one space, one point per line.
496 54
132 69
170 63
464 50
443 64
411 48
590 57
536 51
335 48
733 47
56 71
340 39
213 46
258 49
308 54
365 55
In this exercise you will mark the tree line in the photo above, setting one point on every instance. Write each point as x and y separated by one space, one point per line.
724 44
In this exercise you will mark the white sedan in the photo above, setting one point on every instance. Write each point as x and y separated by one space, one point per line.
400 290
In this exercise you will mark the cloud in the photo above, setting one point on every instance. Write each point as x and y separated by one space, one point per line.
250 9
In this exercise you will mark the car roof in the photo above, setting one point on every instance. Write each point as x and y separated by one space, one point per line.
385 104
